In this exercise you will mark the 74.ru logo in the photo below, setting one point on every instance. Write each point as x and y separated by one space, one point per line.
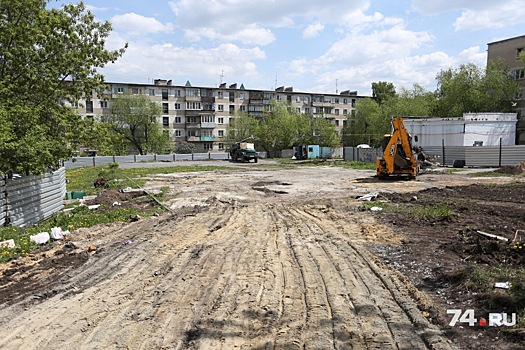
495 319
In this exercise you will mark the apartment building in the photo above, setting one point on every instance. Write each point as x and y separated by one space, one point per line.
201 115
509 50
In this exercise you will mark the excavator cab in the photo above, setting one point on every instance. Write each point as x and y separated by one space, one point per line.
397 158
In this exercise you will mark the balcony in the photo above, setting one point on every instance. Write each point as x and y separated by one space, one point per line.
207 138
206 125
193 138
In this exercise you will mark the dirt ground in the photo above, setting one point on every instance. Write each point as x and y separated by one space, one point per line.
261 258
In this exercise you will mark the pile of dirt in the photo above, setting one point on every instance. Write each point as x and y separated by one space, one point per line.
512 170
111 199
439 250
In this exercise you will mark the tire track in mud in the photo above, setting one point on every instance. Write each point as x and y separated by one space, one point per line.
275 276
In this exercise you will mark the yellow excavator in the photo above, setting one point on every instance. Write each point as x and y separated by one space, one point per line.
397 158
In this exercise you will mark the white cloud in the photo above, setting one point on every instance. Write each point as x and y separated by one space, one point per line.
167 61
498 17
475 14
134 24
313 30
230 19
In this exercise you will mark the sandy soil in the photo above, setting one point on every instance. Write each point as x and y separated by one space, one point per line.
255 258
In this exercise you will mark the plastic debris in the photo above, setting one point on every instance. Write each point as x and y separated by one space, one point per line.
368 197
116 204
94 206
127 242
40 238
10 243
376 209
56 233
503 285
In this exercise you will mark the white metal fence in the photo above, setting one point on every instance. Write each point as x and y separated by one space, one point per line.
30 199
484 156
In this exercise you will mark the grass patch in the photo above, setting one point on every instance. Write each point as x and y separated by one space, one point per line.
79 217
481 279
490 174
82 179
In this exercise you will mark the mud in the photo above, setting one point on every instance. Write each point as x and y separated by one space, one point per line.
254 258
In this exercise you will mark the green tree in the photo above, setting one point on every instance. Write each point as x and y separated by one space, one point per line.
470 89
410 102
324 133
366 125
136 119
242 127
383 91
46 56
184 148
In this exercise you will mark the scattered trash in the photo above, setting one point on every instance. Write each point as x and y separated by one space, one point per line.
92 248
376 209
40 238
10 243
127 242
94 206
413 198
134 218
368 197
82 201
503 285
116 204
56 233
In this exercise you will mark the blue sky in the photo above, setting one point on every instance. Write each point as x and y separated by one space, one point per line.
312 45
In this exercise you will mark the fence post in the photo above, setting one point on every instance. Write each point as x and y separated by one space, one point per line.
443 150
174 156
135 158
191 155
499 153
113 158
94 161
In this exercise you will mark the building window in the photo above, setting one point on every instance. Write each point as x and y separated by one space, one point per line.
103 104
353 102
232 109
165 109
208 119
178 120
165 121
243 108
345 111
164 94
89 106
241 95
193 92
118 90
177 106
336 111
191 105
220 120
298 109
519 74
518 52
345 101
177 93
220 94
191 119
221 108
307 110
208 146
336 122
136 91
221 133
221 145
178 133
151 92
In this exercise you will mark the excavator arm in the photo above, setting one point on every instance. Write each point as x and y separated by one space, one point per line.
397 157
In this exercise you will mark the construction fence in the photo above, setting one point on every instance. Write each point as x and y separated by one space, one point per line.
26 200
482 156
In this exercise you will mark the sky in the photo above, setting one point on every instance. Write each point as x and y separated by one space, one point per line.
310 45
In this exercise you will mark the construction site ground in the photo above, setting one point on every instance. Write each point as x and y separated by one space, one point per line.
270 258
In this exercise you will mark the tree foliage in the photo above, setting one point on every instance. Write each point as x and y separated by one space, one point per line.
367 125
46 56
282 128
470 89
383 91
136 119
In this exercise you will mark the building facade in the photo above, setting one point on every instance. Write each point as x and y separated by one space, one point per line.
201 115
509 50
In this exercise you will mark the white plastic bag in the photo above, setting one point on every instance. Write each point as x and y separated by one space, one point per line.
56 233
40 238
